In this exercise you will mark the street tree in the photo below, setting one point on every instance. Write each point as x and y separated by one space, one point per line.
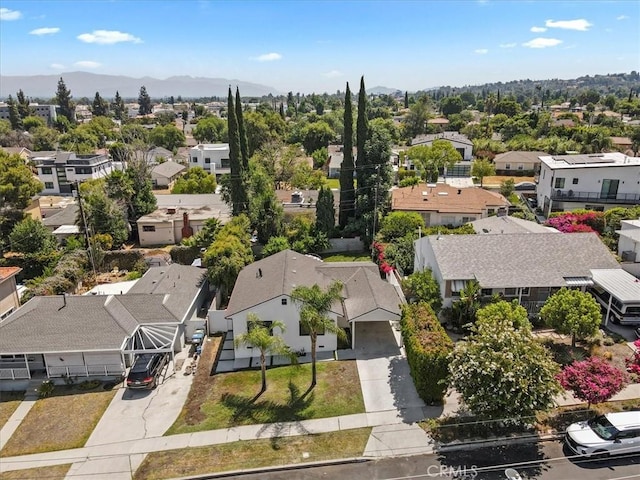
325 212
144 102
482 168
195 180
572 312
63 100
347 190
423 287
99 107
262 337
593 380
502 372
314 304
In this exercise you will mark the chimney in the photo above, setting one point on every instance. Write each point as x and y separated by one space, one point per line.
459 191
187 230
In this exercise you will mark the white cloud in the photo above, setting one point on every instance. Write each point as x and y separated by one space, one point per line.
57 66
86 64
538 29
481 51
622 17
267 57
508 45
6 14
333 74
108 37
542 42
44 31
579 24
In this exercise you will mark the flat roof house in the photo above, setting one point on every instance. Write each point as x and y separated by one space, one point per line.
213 157
461 143
524 266
594 182
442 204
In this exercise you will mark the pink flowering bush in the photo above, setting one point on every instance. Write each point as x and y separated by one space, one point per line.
580 221
380 258
593 380
633 363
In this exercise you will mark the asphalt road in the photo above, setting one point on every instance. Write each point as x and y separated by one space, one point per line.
546 461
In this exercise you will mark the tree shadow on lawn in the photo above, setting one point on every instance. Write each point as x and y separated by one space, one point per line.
248 410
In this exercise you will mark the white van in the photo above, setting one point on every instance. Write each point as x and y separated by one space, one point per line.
609 434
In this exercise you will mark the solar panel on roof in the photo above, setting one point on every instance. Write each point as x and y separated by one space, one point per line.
586 159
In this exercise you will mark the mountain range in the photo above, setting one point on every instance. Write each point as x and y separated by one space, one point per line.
84 84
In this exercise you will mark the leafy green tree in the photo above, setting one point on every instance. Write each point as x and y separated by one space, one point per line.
316 135
503 373
315 304
144 102
512 311
398 224
430 159
482 168
325 212
266 211
263 128
320 158
133 191
119 108
237 188
167 136
103 214
468 304
572 312
99 107
415 121
451 105
262 337
242 134
14 114
422 287
508 107
23 105
44 138
347 190
206 236
210 130
275 245
31 236
507 187
30 123
305 177
79 141
196 180
63 100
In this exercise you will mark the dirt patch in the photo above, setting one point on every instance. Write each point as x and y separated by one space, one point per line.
53 472
496 180
9 401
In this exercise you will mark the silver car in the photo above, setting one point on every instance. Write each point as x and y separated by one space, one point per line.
609 434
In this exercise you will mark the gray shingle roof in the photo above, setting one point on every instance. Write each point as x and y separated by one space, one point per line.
507 224
519 259
168 169
66 216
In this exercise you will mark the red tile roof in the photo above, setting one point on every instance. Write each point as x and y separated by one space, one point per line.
7 272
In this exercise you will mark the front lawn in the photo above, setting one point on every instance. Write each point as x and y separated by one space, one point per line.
52 472
232 401
9 401
59 422
253 454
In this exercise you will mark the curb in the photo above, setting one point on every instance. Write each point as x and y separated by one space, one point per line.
448 447
278 468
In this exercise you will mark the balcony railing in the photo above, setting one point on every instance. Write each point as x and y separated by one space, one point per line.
85 370
597 197
14 373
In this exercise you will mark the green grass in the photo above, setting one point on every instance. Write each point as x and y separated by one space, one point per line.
333 183
232 399
253 454
348 257
9 401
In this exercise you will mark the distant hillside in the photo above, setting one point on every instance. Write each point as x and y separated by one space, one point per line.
383 91
84 84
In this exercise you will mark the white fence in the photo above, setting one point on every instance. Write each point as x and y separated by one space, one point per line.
85 370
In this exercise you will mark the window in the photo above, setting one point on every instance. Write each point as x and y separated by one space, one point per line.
491 211
48 185
207 160
304 332
520 166
507 166
575 181
148 228
265 323
6 314
509 292
468 219
284 301
525 291
486 292
83 171
46 170
194 160
559 183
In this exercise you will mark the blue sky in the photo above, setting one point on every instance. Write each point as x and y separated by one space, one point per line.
317 46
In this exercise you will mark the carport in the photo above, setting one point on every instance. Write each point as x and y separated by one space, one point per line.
158 338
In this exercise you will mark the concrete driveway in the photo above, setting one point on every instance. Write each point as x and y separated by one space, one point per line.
384 373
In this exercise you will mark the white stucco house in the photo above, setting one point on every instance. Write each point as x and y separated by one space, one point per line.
460 142
213 157
629 246
265 287
594 182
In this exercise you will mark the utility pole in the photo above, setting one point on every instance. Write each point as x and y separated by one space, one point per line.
86 229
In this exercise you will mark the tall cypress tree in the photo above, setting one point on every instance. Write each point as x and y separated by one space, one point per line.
347 191
362 131
63 99
236 185
325 212
23 105
144 102
244 146
14 115
406 99
118 107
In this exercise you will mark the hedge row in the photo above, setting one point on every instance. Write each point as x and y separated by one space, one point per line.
129 260
184 255
428 347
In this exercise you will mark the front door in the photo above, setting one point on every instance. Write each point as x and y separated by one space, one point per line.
609 189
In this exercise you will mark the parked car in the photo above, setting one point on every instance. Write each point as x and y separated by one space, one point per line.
198 336
146 369
637 330
604 435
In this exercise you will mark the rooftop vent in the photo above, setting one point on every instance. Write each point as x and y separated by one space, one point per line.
443 194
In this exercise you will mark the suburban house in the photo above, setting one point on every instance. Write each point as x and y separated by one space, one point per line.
336 156
517 162
22 152
462 144
593 182
213 157
518 266
622 144
442 204
9 298
265 287
98 335
60 170
629 246
158 155
504 224
165 174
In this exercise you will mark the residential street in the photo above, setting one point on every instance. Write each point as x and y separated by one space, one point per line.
546 461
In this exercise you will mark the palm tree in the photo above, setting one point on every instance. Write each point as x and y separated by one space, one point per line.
315 304
260 336
469 296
